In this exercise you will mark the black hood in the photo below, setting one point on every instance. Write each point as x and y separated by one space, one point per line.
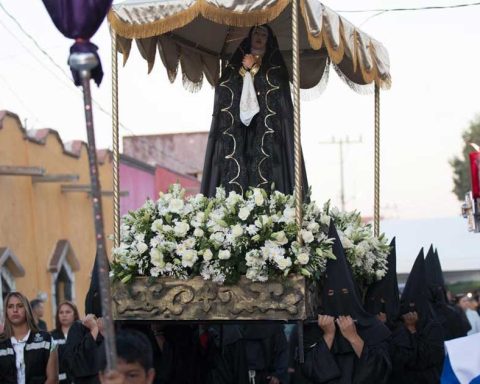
340 295
383 295
435 279
415 293
92 300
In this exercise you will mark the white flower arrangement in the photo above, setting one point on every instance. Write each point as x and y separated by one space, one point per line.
225 237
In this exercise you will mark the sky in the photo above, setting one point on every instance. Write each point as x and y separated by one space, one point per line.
435 64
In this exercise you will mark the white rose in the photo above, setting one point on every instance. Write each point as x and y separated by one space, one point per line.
198 232
156 257
258 197
141 247
167 228
157 225
224 254
280 237
347 243
303 258
314 227
175 205
284 263
189 258
237 230
218 237
181 229
307 236
207 255
380 274
243 213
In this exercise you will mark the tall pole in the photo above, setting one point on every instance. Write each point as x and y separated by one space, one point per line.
376 203
115 143
296 120
84 63
340 144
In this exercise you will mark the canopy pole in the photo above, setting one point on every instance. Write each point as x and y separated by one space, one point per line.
296 120
376 206
115 142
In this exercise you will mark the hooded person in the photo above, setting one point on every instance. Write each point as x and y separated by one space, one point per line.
417 349
252 353
85 337
454 323
382 297
250 143
347 344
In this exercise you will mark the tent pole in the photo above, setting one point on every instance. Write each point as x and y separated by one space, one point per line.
115 143
376 206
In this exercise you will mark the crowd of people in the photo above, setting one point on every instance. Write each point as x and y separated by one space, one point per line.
373 335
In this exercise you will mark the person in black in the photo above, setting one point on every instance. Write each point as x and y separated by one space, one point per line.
38 310
346 344
243 153
27 354
253 354
454 323
67 314
417 341
85 338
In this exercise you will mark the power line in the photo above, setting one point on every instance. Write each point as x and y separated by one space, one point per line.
426 8
67 75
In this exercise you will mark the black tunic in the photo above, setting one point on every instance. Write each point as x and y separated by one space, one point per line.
81 354
59 338
417 358
259 348
239 157
330 367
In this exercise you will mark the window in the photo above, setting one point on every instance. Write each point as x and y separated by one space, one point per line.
10 268
63 265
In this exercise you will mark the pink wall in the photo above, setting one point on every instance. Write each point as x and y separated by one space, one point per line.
165 177
139 182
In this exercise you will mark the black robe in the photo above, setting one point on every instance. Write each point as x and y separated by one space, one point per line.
239 156
417 357
452 322
81 354
334 367
262 348
59 338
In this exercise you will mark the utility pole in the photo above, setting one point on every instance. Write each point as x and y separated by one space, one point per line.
341 142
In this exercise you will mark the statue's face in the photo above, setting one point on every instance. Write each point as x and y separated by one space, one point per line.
259 38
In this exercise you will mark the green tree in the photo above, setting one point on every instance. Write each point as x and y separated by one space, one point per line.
461 164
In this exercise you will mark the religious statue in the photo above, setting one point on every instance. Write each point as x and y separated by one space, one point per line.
251 137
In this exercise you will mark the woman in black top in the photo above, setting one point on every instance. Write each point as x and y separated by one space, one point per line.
27 355
67 314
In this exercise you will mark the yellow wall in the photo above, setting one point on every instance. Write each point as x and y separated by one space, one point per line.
34 216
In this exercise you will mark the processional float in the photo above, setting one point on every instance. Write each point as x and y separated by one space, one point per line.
200 35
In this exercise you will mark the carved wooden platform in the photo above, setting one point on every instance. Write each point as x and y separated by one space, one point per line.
195 299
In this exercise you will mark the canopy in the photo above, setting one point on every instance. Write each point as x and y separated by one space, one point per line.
198 34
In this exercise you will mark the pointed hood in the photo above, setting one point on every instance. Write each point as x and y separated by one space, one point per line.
415 293
383 296
340 295
435 279
92 300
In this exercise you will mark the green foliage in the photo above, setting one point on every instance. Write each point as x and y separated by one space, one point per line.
461 164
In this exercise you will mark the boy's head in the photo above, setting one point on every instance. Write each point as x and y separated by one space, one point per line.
135 358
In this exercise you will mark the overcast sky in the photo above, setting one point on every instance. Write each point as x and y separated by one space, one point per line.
435 62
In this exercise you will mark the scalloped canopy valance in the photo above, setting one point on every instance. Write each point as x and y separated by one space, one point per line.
198 34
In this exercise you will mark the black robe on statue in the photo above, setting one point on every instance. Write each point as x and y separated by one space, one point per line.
239 156
340 364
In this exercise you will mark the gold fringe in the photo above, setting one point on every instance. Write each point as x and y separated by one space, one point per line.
224 16
180 19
